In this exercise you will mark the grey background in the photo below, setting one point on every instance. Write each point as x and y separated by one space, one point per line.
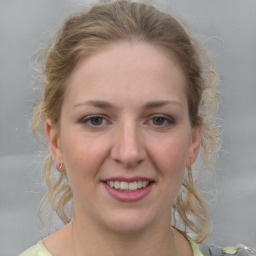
228 30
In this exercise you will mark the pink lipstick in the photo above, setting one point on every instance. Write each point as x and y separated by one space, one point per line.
128 189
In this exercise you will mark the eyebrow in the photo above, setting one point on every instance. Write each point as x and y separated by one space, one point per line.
161 103
148 105
95 103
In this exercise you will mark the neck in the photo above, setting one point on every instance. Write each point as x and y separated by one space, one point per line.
90 239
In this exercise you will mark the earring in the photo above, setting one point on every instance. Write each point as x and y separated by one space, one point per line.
61 167
190 176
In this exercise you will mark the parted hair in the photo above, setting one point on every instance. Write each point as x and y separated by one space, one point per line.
82 35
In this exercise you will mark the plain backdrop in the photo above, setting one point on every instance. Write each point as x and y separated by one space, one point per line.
227 28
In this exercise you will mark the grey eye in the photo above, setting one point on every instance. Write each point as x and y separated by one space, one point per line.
95 121
159 120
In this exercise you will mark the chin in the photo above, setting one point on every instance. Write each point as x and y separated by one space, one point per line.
129 222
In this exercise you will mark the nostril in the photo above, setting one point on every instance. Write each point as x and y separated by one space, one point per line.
128 148
128 158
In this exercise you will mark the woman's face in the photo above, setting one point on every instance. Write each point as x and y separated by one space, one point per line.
125 137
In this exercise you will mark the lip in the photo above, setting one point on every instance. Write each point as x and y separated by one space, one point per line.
128 179
131 196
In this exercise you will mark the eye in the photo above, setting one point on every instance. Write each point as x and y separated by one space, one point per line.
94 121
161 121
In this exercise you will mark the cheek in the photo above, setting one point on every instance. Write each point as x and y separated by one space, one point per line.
82 155
172 152
170 159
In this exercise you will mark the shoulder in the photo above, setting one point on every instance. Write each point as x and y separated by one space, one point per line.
37 250
239 250
211 250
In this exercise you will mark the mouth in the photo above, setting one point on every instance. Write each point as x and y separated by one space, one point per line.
125 186
128 190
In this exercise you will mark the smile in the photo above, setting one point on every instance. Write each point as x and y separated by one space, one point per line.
124 186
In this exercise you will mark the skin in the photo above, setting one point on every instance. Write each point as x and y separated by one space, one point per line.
141 128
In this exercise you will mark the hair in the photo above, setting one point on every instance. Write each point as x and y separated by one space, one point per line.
82 35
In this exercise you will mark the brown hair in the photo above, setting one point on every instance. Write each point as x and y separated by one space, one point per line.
84 33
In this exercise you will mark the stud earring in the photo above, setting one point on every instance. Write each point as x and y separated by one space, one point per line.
61 167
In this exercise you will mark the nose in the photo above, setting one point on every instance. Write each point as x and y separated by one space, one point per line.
128 148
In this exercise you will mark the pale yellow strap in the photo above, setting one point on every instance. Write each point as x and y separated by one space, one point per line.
195 248
235 249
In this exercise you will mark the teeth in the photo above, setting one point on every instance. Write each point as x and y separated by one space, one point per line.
123 185
133 185
128 186
116 184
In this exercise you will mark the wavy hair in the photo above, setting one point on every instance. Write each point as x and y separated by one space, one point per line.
83 34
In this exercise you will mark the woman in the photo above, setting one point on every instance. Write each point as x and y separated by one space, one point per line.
129 101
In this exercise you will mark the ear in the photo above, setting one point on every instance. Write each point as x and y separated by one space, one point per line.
52 134
195 144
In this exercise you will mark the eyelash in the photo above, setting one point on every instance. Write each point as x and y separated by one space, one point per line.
88 120
167 121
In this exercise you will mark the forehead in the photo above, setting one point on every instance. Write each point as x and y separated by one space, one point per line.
124 68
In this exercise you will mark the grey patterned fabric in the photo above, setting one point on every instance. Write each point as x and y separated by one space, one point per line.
209 250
